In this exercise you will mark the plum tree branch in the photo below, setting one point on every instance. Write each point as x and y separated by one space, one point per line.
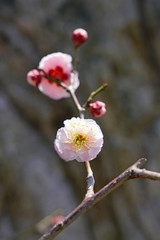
132 172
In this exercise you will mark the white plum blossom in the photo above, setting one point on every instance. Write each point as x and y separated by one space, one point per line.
79 139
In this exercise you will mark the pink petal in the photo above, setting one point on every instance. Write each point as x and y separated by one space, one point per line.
52 90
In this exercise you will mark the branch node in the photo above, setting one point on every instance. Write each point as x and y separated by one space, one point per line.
60 224
90 181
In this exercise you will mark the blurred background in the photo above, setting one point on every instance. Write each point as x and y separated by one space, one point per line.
123 49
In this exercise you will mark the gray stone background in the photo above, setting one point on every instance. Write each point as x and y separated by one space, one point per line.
123 50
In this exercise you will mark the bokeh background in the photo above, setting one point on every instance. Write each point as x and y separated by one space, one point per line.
123 49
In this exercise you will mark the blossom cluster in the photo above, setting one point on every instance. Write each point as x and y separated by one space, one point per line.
55 76
57 66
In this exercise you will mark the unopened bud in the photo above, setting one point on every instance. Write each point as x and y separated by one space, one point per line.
79 36
57 219
97 108
34 77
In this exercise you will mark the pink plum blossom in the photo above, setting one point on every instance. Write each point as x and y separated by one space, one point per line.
79 36
97 108
58 66
34 77
79 139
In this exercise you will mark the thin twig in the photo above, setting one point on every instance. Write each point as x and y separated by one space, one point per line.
75 60
68 89
90 177
132 172
81 110
90 181
94 93
77 104
60 83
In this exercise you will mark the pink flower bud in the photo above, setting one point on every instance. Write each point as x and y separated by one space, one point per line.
97 108
56 219
79 36
34 77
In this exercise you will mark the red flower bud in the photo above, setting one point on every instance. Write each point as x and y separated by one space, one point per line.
34 77
97 108
79 36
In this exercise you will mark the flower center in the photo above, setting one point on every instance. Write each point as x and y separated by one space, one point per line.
57 73
80 141
79 138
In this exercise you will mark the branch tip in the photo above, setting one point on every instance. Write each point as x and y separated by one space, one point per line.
94 93
140 162
105 85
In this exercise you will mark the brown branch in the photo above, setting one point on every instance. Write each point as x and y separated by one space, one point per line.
133 171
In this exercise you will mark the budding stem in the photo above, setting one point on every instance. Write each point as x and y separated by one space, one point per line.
90 177
77 104
75 60
81 110
91 96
